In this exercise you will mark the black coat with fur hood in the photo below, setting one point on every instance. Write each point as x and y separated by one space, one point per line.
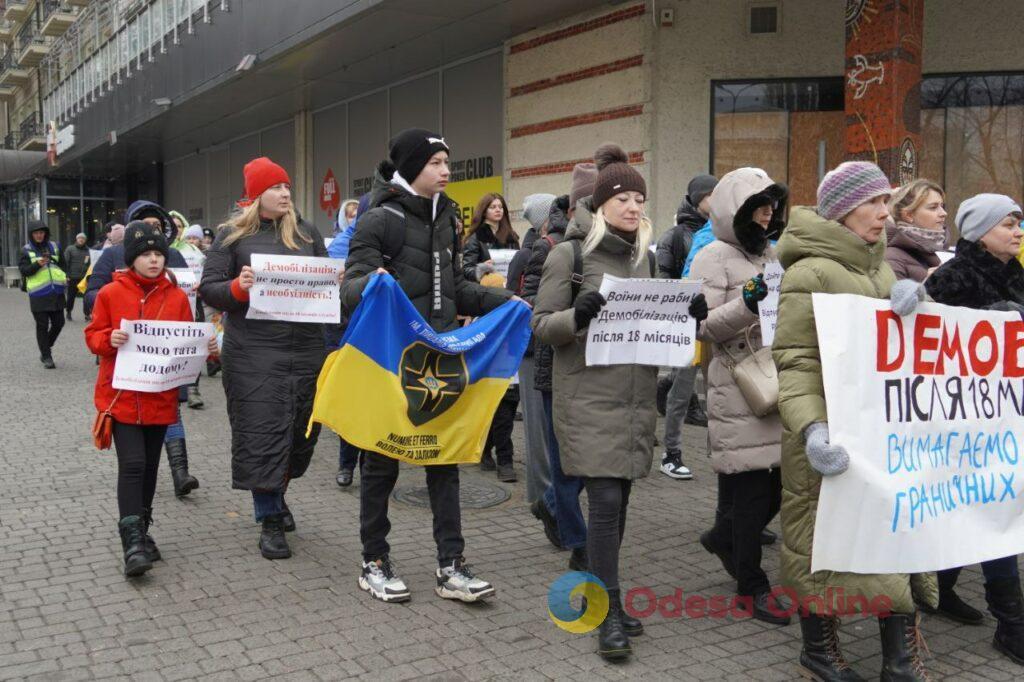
974 278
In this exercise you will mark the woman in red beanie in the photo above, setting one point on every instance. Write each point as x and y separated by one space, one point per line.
270 367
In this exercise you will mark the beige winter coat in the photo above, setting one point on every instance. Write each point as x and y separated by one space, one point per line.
740 441
604 417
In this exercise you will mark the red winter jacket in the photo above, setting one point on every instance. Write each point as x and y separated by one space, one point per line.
132 297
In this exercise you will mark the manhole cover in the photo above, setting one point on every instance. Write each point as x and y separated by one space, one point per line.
472 495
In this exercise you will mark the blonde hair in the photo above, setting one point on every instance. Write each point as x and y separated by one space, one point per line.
600 228
245 222
910 197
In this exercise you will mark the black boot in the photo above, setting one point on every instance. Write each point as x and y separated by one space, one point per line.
133 542
955 608
578 560
273 544
287 520
151 549
901 642
695 415
634 627
177 457
540 511
48 361
1004 601
612 640
820 655
487 462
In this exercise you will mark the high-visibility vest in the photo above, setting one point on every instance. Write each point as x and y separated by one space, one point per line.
46 281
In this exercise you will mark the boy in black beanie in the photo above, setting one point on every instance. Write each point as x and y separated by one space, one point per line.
409 230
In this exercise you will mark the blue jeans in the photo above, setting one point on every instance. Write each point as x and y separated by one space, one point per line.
267 504
175 431
992 570
348 456
563 495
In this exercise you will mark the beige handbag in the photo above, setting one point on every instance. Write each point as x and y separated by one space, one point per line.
756 378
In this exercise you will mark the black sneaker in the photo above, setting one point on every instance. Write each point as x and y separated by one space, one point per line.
273 544
487 462
541 512
344 477
673 467
578 560
506 473
48 362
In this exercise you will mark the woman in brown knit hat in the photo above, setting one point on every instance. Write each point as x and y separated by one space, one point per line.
604 416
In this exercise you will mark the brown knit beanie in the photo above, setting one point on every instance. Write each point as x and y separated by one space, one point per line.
615 175
584 175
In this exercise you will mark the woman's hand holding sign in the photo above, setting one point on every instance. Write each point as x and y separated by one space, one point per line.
246 278
827 459
118 338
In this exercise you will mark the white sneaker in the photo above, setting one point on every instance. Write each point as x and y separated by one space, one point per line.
458 582
379 579
673 467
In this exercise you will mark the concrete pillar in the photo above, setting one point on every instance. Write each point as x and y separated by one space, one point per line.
883 84
303 182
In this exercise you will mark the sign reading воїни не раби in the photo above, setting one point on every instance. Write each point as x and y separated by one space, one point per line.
930 408
644 322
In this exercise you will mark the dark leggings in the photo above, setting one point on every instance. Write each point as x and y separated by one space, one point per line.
48 326
608 499
138 461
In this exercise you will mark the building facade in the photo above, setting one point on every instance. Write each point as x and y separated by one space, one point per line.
167 99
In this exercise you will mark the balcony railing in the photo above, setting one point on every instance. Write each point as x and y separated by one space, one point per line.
58 16
27 35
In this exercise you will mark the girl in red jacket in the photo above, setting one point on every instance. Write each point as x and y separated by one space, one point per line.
143 291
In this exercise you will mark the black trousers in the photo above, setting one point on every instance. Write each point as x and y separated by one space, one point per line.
72 294
747 502
48 326
378 475
499 437
608 499
138 461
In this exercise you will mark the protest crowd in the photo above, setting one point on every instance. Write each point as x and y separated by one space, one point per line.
538 323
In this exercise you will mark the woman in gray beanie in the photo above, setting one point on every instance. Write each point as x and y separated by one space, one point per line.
985 274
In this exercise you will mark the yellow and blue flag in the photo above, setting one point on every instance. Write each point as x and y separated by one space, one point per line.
399 388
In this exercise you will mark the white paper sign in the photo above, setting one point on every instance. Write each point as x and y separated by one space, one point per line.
295 289
502 258
929 407
159 356
768 309
194 259
188 282
94 256
645 322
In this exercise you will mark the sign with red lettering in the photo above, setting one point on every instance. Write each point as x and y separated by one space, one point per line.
330 198
930 408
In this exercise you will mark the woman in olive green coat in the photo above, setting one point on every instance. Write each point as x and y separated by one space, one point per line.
837 248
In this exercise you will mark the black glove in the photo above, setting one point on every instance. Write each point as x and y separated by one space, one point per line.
754 291
586 308
699 308
562 202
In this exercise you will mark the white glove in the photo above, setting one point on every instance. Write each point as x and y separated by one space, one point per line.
825 458
905 295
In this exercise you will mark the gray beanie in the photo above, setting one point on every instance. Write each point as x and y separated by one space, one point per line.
536 208
700 187
982 212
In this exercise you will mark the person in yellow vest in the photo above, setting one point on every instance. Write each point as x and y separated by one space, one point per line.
45 283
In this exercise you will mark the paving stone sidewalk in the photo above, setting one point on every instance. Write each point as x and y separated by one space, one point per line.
214 609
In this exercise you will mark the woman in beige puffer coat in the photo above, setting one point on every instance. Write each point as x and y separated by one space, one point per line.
747 212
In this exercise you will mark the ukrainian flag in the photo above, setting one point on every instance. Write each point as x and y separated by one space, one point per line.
399 388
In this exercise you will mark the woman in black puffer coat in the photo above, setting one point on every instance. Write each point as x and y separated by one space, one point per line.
270 367
491 229
985 274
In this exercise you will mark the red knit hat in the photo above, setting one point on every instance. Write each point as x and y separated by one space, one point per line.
260 175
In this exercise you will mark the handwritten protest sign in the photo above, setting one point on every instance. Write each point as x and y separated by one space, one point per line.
930 408
188 281
768 309
502 258
295 289
645 322
160 355
194 259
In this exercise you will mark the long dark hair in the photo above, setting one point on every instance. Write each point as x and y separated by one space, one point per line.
504 234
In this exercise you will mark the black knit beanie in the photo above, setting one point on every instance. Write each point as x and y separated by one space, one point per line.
615 175
410 150
140 237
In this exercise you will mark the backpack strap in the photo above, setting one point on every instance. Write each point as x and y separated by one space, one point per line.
576 280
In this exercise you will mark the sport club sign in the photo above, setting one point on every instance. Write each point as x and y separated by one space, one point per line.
930 408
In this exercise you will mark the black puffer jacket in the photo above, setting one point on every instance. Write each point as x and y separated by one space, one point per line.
974 278
674 245
421 252
270 367
478 249
517 268
558 223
